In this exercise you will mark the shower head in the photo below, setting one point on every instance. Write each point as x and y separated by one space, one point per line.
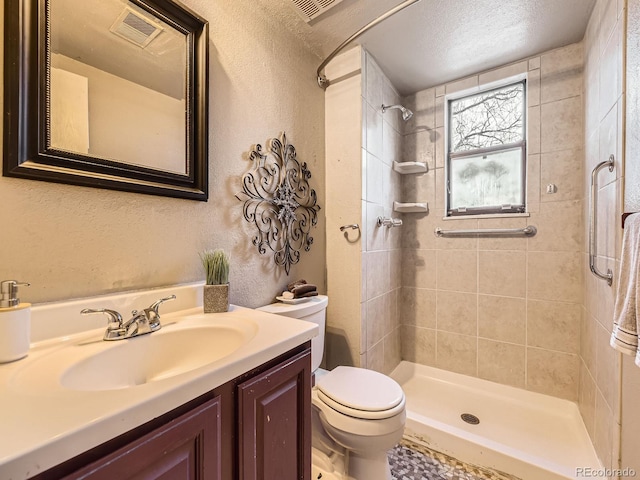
406 113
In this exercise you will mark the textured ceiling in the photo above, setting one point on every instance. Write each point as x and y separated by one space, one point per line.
435 41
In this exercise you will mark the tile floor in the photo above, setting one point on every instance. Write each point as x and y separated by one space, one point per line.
412 461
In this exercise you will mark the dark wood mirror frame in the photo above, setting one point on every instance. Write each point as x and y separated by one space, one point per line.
26 152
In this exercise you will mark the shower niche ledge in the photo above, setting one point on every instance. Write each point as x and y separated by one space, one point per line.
401 207
405 168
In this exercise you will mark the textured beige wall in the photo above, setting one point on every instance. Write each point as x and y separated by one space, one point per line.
503 309
71 241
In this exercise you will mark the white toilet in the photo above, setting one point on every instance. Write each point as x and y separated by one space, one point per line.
361 411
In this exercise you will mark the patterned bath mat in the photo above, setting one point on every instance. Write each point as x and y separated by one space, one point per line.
412 461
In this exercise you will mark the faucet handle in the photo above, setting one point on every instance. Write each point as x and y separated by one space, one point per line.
154 306
115 319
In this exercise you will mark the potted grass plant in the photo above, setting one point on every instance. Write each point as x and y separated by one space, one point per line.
216 290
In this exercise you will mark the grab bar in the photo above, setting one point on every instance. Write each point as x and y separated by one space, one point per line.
529 231
593 221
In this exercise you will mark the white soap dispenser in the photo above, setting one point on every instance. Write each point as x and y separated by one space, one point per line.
15 322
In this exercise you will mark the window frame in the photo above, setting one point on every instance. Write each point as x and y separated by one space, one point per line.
522 145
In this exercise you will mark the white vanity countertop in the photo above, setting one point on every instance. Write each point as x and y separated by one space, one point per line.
42 426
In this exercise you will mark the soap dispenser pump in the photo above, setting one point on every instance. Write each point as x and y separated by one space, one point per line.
15 322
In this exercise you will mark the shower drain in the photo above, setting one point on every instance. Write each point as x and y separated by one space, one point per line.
469 418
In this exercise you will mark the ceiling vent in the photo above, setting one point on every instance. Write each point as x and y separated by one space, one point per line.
136 28
310 9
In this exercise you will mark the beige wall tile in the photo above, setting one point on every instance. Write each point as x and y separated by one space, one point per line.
375 357
419 188
553 373
561 125
377 273
502 273
377 311
457 312
440 91
533 183
607 368
502 243
457 353
501 362
374 81
418 268
560 227
418 307
375 192
588 333
608 145
376 237
392 351
419 147
440 108
610 74
457 270
393 318
604 423
534 131
392 143
587 399
502 318
418 231
418 344
374 131
554 325
460 85
554 276
564 170
533 88
440 147
440 193
561 73
422 104
534 63
503 73
395 269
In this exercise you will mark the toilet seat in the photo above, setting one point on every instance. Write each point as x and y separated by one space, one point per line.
361 393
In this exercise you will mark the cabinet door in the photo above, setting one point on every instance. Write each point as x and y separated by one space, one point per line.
187 448
275 422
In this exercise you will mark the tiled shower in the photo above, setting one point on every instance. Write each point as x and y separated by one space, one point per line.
525 312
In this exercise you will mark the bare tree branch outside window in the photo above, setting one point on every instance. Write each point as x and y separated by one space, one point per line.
488 119
483 176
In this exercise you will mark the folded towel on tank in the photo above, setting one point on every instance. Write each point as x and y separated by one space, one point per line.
295 284
301 290
309 294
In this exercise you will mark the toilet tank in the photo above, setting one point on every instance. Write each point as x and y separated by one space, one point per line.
312 310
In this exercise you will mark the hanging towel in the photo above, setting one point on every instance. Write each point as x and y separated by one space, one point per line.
626 314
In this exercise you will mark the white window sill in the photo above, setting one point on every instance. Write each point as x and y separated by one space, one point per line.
487 215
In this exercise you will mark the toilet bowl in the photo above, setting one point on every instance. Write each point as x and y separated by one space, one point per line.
361 412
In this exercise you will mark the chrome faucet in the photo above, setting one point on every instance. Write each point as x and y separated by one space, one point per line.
140 323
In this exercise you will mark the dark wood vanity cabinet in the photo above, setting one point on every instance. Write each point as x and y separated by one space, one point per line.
255 427
275 423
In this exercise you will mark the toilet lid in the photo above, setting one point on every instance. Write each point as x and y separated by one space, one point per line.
361 389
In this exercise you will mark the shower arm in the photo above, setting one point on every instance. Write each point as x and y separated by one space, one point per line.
323 82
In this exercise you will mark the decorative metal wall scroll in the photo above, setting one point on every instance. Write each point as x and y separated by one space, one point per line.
279 202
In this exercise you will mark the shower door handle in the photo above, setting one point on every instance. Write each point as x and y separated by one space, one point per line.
593 221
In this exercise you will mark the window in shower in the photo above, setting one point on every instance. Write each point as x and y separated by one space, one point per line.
486 167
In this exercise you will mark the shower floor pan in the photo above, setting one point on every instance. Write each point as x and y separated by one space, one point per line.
526 434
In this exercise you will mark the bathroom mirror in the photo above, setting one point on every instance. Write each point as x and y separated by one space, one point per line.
107 93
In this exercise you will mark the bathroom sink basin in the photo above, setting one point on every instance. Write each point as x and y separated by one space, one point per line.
174 350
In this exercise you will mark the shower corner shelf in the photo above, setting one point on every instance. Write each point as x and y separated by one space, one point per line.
410 167
410 207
